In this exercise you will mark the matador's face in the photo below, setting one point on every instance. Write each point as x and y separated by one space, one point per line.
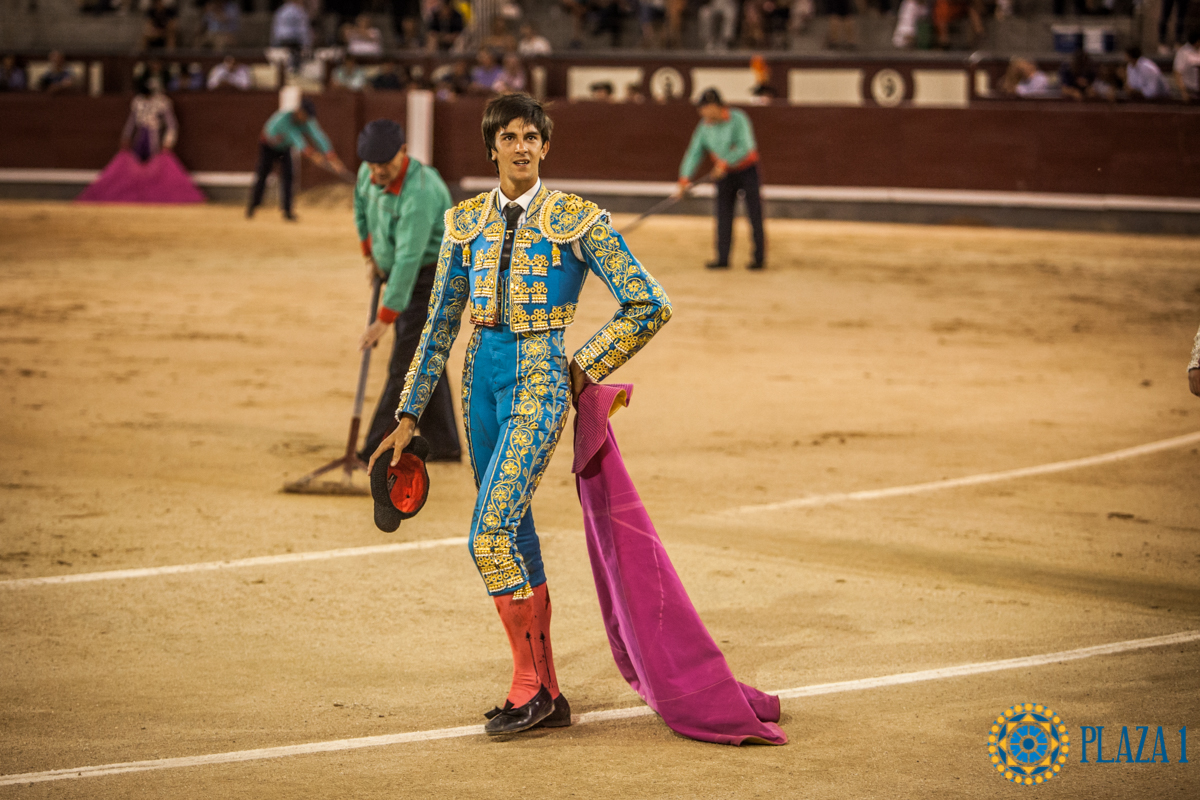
518 151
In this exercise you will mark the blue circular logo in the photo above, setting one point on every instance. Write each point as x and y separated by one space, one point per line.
1028 744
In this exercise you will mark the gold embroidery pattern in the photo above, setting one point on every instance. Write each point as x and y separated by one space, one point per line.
521 292
540 402
522 321
448 299
645 307
488 259
468 380
522 263
466 220
564 218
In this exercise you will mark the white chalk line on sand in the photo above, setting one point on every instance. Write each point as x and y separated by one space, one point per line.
340 745
802 502
969 480
258 561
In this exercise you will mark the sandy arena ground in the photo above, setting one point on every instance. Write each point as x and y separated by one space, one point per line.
164 371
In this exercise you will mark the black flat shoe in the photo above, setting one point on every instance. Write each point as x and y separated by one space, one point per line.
560 717
754 265
512 719
716 265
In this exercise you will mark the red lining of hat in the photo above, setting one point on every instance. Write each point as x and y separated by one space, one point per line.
411 485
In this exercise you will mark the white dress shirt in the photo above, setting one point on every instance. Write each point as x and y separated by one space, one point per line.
524 201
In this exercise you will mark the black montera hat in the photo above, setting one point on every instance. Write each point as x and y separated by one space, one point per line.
379 141
400 491
709 96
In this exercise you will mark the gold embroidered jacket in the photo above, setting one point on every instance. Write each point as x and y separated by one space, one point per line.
562 239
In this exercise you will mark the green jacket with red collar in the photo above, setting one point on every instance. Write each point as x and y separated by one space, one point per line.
401 225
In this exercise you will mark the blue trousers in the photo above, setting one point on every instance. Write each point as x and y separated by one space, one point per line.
516 392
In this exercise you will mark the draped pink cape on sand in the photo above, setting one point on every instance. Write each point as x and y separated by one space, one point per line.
658 640
126 179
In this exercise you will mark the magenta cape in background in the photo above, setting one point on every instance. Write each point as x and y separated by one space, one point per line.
658 640
162 179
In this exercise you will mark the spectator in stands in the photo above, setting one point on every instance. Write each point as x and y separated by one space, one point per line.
947 11
408 37
910 15
500 40
12 75
59 78
578 11
1024 79
766 22
219 24
512 76
159 31
155 68
1107 83
1078 7
634 93
1075 77
843 30
1180 7
801 16
1143 78
194 80
485 73
727 11
652 14
531 43
390 78
444 26
290 27
362 38
230 74
673 36
348 75
601 92
1186 69
609 17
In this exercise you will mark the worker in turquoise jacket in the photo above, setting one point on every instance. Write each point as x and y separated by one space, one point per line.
399 204
284 131
517 256
727 137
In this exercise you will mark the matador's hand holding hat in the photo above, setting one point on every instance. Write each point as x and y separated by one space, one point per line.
400 490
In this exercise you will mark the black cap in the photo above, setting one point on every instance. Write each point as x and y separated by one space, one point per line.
308 107
710 96
379 141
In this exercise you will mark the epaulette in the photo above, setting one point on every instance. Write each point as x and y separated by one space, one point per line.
465 221
566 218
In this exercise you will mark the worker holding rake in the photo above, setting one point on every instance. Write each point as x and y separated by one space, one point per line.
399 204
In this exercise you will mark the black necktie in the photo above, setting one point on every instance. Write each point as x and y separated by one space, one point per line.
512 212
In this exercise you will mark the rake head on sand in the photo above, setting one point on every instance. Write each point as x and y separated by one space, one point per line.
349 463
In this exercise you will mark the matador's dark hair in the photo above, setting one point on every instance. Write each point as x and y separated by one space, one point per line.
507 107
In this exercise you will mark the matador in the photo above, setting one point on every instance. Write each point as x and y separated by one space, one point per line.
515 260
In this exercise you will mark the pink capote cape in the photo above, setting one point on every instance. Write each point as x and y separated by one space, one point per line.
658 640
162 179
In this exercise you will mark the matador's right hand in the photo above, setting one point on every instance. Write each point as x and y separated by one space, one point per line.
397 440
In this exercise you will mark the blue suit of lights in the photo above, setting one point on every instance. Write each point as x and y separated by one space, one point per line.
516 382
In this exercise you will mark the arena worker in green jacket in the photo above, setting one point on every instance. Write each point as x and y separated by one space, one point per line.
399 210
285 131
727 137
